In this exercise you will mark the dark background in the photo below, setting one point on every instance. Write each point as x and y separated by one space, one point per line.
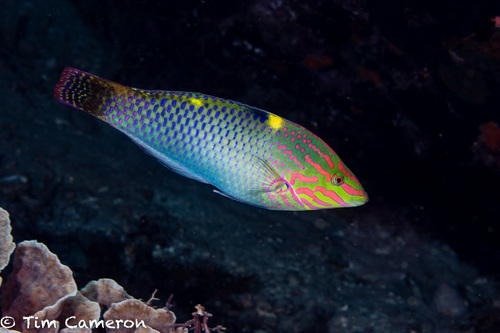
406 92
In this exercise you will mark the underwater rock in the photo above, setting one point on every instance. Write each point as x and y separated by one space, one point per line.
4 330
6 244
134 310
41 296
487 146
448 301
72 310
75 330
38 280
105 292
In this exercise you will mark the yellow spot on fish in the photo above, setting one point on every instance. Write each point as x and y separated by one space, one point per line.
274 121
119 89
195 101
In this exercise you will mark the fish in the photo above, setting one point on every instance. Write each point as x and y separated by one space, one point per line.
248 154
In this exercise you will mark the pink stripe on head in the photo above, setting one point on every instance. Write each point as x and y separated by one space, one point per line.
302 178
308 204
318 167
351 190
296 198
314 198
332 195
347 172
328 159
325 156
294 195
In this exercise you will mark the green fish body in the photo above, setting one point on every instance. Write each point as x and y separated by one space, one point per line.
248 154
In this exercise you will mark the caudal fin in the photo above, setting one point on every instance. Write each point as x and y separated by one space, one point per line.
84 91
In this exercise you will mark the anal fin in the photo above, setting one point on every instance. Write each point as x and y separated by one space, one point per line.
165 160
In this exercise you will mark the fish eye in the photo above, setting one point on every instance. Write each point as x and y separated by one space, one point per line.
337 180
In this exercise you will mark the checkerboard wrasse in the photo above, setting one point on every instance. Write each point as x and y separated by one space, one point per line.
248 154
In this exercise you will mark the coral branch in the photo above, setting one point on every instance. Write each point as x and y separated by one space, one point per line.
152 298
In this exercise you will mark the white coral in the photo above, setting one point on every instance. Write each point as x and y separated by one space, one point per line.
6 244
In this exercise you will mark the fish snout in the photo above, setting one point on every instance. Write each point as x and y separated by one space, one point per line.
358 200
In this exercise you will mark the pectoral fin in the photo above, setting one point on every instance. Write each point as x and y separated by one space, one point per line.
268 180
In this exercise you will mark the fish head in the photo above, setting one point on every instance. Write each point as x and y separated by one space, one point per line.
325 182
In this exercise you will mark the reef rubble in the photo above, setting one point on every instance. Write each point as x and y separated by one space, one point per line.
40 295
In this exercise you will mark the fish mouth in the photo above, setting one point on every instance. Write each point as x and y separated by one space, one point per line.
358 200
